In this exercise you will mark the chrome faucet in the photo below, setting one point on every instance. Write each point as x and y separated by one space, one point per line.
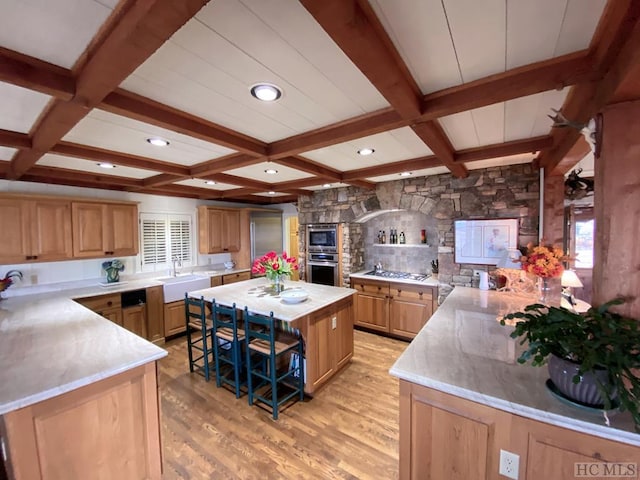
378 267
175 260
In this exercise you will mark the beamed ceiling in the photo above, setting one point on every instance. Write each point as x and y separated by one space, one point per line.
433 86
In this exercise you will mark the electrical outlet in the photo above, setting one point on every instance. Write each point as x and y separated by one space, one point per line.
34 279
476 273
509 464
334 322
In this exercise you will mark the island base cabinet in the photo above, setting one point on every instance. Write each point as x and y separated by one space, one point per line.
444 436
108 429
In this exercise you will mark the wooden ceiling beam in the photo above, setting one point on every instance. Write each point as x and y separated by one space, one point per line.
615 48
309 166
162 179
75 150
149 111
83 177
419 163
433 135
497 150
355 28
29 72
302 183
73 183
240 181
15 139
129 37
228 162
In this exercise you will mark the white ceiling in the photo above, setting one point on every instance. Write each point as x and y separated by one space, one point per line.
207 68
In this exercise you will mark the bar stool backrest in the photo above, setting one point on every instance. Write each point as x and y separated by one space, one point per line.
260 327
225 317
199 313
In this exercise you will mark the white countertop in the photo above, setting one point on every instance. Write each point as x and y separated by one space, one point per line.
431 282
463 350
256 295
50 345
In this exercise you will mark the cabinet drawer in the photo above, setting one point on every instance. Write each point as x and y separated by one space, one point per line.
381 289
101 302
420 294
235 277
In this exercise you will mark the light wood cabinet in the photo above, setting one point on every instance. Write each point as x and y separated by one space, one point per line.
155 314
399 309
108 429
134 319
104 229
108 306
37 230
216 281
235 277
328 334
218 230
444 436
174 320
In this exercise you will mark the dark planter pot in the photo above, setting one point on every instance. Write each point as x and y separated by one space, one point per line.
562 371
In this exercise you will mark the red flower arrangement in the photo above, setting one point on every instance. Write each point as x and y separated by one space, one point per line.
543 261
271 265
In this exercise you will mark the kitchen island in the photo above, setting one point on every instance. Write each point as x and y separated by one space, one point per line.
78 393
463 398
325 320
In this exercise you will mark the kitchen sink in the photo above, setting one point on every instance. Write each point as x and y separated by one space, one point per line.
175 287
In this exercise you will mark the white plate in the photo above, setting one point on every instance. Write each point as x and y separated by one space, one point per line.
294 296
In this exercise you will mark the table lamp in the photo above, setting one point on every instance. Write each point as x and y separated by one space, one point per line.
568 281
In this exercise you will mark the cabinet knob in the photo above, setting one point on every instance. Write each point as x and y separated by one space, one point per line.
420 293
109 303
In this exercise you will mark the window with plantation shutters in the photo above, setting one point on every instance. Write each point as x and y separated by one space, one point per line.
164 236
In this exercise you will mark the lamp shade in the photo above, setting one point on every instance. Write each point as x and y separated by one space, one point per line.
570 279
510 259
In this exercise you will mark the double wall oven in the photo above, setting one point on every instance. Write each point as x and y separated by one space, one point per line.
323 258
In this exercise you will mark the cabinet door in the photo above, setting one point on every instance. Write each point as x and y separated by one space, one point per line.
235 277
121 229
113 314
88 230
216 281
343 334
372 312
410 309
51 230
155 313
174 320
14 237
211 235
231 231
320 350
133 319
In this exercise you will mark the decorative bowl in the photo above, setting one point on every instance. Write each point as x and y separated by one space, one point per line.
294 295
229 265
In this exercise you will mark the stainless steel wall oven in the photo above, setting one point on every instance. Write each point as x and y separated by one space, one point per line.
323 268
322 238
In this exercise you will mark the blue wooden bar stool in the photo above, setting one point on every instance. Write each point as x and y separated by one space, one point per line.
228 340
199 339
263 350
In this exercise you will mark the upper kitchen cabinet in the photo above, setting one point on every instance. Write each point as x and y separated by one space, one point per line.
101 229
35 229
218 230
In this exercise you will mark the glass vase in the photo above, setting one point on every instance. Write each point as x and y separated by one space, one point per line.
544 290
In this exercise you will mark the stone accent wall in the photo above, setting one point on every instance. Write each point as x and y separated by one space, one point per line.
436 202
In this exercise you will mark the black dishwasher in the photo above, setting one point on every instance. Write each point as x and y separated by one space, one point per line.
133 298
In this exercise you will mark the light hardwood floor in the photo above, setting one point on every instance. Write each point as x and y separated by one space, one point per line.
349 430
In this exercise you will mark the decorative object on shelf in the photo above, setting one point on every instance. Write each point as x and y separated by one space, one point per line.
113 269
434 268
594 341
545 262
402 238
7 281
275 268
423 236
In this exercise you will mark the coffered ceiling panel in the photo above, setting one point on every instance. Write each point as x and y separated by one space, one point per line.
114 132
198 183
53 160
392 146
7 153
528 116
54 31
208 67
20 107
580 21
257 172
414 173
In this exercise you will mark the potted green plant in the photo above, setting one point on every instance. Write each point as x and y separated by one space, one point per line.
597 350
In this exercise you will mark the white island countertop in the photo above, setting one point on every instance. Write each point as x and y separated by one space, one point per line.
50 345
256 295
464 351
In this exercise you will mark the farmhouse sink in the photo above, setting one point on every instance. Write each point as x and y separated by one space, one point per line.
174 287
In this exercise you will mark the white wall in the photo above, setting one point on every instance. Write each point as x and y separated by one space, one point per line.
52 272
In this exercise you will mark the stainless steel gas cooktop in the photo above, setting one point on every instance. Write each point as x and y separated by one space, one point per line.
419 277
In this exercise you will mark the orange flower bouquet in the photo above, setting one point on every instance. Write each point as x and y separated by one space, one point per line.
543 261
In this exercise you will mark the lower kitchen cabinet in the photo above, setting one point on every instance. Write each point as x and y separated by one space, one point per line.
399 309
108 306
444 436
134 320
235 277
155 314
174 321
107 429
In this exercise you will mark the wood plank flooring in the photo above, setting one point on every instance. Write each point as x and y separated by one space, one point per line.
349 430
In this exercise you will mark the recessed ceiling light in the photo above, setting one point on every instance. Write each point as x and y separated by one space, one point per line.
266 92
106 165
327 185
158 142
210 182
405 174
271 171
271 192
366 151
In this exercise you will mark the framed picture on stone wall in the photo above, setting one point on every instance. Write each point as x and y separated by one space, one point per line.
484 242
